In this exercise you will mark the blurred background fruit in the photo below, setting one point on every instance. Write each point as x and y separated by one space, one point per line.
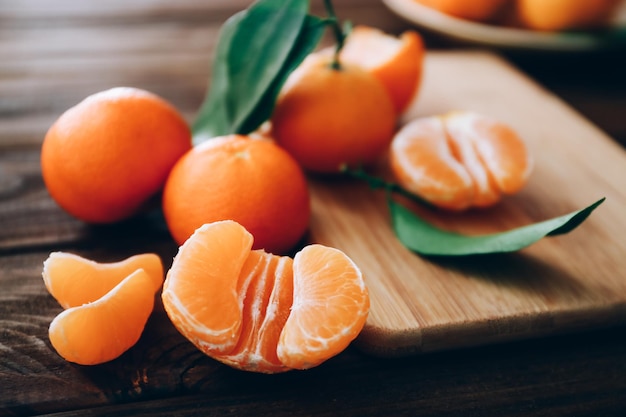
477 10
557 15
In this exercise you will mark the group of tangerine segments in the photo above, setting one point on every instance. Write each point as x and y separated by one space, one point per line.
247 308
107 305
262 312
460 160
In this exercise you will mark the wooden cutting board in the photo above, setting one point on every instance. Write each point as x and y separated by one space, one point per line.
559 284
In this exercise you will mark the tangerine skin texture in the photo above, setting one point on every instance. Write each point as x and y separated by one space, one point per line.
251 181
104 158
328 117
403 79
397 62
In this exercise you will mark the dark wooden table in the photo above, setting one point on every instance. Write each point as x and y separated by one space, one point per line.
53 54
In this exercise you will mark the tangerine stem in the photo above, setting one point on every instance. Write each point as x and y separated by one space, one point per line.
340 36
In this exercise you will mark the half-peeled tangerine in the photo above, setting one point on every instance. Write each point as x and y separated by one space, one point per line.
261 312
460 160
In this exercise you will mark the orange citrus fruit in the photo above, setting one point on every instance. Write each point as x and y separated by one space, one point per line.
327 117
102 330
460 160
73 280
261 312
476 10
555 15
397 62
103 159
251 181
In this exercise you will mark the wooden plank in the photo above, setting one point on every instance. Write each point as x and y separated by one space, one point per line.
164 374
52 54
559 284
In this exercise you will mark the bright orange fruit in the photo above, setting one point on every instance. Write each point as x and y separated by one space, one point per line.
460 160
327 117
102 330
476 10
251 181
73 280
261 312
397 62
555 15
105 158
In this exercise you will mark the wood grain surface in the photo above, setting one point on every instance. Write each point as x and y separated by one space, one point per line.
559 284
53 54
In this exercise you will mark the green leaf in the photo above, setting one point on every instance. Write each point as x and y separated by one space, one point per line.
213 118
310 36
426 239
256 51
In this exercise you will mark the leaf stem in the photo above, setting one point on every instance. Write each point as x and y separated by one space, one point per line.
340 36
379 183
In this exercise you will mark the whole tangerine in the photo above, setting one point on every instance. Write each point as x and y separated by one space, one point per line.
251 181
327 117
105 158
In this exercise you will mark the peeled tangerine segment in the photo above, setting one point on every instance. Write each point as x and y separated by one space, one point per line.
261 312
73 280
330 306
102 330
200 293
460 160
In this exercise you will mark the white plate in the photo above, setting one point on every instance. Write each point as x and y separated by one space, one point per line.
498 36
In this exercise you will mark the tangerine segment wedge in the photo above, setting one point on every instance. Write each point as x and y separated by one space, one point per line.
102 330
424 162
201 293
330 306
266 299
396 62
502 152
73 280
